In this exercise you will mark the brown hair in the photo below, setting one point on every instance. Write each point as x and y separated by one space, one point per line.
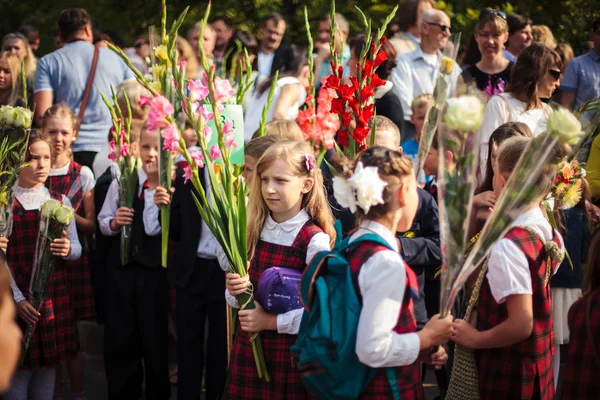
503 132
34 137
591 274
71 21
408 13
257 146
284 129
314 202
542 34
385 124
392 167
517 22
499 24
565 51
531 67
453 140
422 100
15 76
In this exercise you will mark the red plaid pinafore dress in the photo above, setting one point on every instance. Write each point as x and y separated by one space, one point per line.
523 370
55 337
408 377
79 281
285 383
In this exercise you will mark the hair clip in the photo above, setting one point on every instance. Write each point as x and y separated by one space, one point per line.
310 162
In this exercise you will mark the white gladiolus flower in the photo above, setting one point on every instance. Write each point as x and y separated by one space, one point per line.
563 123
464 113
368 185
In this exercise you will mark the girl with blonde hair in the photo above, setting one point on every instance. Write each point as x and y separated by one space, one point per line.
10 79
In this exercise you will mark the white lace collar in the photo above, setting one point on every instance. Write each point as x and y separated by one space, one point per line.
32 198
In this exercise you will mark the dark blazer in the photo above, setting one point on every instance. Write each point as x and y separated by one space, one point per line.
184 229
282 56
389 106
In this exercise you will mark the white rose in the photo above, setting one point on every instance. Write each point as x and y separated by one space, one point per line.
22 117
64 214
563 123
8 115
49 207
344 193
368 185
464 113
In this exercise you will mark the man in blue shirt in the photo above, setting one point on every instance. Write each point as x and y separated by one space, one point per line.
581 82
62 76
519 36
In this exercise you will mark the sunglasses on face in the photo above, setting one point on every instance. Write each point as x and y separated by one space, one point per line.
489 11
555 74
443 28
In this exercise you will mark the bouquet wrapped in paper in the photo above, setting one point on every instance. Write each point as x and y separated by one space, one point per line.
563 129
458 148
14 136
127 172
54 219
207 105
440 93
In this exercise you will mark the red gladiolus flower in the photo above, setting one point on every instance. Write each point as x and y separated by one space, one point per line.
365 93
346 119
354 81
342 138
337 106
383 39
376 81
332 82
381 57
368 68
346 93
360 133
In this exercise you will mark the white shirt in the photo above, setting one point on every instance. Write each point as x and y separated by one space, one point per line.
508 270
112 203
253 113
207 246
505 108
382 280
285 234
416 74
265 63
34 199
87 176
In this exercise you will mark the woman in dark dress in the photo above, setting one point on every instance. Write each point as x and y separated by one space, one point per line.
491 73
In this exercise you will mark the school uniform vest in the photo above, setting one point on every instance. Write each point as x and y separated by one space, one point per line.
286 383
525 368
144 249
408 377
64 183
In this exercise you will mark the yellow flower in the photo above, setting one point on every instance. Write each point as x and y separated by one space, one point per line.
162 54
560 189
572 196
447 66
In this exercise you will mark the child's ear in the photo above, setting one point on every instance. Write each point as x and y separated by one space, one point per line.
448 156
401 195
308 185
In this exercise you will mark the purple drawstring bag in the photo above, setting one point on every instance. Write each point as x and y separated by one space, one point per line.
278 290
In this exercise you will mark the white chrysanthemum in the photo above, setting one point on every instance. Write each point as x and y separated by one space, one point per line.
464 113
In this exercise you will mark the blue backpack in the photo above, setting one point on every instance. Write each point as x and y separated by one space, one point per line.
325 353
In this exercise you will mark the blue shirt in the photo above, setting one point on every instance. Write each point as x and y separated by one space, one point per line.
582 77
509 56
65 73
410 148
326 68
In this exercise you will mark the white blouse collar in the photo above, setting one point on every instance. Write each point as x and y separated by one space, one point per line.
535 219
288 226
60 171
368 226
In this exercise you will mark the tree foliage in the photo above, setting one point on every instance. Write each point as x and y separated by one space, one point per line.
569 20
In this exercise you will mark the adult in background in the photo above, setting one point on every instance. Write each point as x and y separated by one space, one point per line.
10 80
519 36
322 46
409 17
272 54
542 34
586 47
224 31
62 76
581 82
387 103
17 44
248 43
417 71
209 39
32 35
534 77
491 73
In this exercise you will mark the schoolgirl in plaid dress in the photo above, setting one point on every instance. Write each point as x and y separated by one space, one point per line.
513 338
291 222
580 380
55 337
387 334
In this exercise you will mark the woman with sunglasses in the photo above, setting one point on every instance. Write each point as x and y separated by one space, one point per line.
491 73
534 77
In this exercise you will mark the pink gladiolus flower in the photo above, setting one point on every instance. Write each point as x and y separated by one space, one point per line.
160 108
215 152
230 141
197 90
124 150
112 156
187 173
220 108
228 126
206 115
122 135
145 101
182 65
207 133
223 90
171 137
198 158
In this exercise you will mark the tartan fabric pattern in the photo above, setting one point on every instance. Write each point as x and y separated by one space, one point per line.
524 368
286 383
79 280
408 377
55 336
581 380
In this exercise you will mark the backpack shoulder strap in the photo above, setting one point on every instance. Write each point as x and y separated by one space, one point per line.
369 237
